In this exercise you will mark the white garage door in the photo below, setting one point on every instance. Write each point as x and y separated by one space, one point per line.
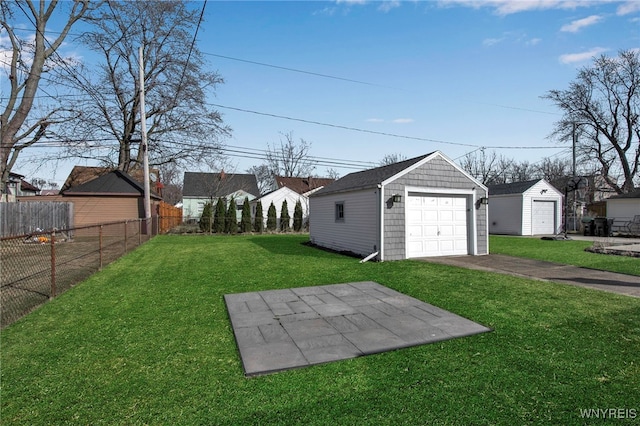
436 225
543 217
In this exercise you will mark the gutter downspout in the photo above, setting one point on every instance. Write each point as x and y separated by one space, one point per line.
381 218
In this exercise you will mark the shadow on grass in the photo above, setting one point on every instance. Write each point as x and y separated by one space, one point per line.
283 246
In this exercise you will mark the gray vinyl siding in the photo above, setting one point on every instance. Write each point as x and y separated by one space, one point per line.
357 233
505 214
436 173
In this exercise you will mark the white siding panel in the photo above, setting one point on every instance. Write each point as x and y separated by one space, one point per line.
359 231
622 209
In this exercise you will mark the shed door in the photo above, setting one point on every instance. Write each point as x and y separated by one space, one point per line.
543 217
436 225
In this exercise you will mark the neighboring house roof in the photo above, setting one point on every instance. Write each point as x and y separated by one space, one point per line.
48 192
302 185
633 194
27 187
214 185
283 192
83 174
368 178
112 183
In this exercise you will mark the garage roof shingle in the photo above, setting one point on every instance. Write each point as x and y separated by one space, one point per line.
368 178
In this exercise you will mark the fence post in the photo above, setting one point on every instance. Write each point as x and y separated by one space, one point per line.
53 265
100 246
125 236
140 231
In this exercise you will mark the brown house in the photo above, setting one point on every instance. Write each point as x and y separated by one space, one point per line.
110 197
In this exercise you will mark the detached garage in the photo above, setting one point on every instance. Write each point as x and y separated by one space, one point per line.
525 208
425 206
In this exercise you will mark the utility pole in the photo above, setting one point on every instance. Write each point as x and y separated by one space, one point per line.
144 147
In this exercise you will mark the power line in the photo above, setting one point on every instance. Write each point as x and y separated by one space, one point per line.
296 70
337 126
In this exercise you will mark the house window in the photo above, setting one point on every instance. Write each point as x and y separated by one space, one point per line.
340 211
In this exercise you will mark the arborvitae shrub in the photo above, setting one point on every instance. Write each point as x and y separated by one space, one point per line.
231 223
297 217
272 218
285 219
245 222
258 222
205 218
219 217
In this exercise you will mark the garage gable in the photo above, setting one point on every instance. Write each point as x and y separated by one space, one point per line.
439 212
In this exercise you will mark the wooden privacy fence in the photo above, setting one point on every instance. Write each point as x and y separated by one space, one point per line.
169 216
26 217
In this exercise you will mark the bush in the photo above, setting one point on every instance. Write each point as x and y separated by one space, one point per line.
231 222
258 223
205 218
219 217
285 219
271 218
245 222
297 217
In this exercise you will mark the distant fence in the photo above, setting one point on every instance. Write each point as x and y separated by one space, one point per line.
25 217
38 266
169 217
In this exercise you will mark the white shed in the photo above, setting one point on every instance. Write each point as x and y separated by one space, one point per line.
424 206
622 208
525 208
277 197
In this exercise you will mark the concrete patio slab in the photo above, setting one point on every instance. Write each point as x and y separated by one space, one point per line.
277 330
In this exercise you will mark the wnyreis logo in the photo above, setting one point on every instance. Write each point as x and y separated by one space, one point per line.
608 413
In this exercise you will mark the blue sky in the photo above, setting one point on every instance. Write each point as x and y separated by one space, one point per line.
451 75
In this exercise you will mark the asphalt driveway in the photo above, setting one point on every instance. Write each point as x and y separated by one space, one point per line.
529 268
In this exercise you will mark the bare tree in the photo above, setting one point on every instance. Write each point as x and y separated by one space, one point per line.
171 179
332 173
290 159
602 117
481 165
522 171
180 125
553 170
264 176
392 158
29 61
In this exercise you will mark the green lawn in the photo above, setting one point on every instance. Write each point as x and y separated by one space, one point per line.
568 252
148 341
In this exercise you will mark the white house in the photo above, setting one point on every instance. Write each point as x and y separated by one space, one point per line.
199 189
277 197
424 206
525 208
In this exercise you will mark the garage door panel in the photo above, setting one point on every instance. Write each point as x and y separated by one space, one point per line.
461 215
429 230
447 231
415 231
443 222
445 216
429 216
543 217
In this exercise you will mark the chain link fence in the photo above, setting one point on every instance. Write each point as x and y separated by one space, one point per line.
39 266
